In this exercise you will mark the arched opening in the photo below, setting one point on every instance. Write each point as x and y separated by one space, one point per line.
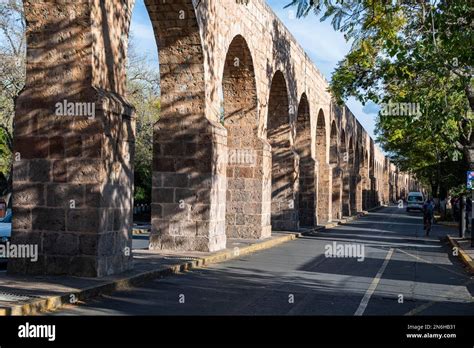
333 149
365 180
323 170
336 173
346 210
284 205
357 178
307 169
378 187
143 92
352 177
94 154
244 196
373 176
188 180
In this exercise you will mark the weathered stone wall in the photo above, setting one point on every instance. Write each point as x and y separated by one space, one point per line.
73 171
249 137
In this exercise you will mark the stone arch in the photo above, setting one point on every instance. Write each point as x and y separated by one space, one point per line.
351 153
334 161
284 177
365 179
307 166
189 169
321 137
247 153
333 147
323 184
357 177
352 176
188 173
373 176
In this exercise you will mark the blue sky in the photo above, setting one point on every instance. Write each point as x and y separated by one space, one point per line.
324 46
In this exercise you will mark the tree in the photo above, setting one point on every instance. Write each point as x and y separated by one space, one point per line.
143 85
12 80
409 51
143 92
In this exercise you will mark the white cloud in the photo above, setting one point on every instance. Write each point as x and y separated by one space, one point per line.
371 108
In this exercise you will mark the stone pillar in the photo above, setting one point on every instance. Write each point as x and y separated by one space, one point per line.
336 196
346 199
189 187
285 164
189 149
365 188
74 142
373 192
353 193
324 193
357 179
307 192
249 190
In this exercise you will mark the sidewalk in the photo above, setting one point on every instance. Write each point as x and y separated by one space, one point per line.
465 251
28 295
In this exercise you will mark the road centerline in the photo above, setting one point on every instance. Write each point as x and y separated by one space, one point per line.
368 294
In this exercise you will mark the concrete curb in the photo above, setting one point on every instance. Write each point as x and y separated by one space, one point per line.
55 302
463 256
342 221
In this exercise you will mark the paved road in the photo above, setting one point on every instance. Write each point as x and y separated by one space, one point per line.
297 278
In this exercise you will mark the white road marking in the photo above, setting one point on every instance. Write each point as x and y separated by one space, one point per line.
427 305
434 264
373 285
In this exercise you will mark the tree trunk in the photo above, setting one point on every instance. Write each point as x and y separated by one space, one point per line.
469 148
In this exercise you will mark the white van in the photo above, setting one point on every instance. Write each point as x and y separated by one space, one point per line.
415 201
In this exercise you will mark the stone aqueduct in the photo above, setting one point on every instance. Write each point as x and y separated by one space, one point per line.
312 161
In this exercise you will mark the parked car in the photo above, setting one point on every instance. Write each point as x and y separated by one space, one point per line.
6 227
415 201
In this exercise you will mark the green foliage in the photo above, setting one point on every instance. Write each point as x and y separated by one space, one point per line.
410 52
143 93
12 80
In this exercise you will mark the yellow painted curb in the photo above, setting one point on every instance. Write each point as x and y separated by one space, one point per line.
465 258
55 302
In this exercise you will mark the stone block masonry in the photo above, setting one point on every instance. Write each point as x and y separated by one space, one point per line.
249 138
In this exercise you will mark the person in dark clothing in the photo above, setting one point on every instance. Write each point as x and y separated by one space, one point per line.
428 213
468 212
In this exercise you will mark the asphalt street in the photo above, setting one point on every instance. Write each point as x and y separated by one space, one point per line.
402 272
